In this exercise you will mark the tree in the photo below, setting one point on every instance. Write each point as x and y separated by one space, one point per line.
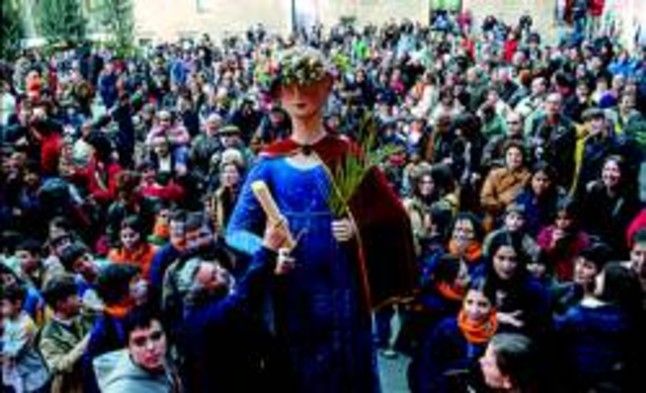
11 29
117 16
61 21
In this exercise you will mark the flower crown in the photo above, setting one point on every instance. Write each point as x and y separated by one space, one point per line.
299 65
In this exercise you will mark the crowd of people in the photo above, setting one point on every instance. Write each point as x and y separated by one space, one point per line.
504 226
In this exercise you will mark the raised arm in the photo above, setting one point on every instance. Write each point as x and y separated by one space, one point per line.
248 219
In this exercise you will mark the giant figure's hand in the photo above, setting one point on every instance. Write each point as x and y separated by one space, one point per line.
343 230
276 234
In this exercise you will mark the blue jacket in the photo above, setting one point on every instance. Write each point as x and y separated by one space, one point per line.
225 346
447 358
538 213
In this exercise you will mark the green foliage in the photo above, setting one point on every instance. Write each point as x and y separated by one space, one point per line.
349 175
117 16
61 22
11 29
348 20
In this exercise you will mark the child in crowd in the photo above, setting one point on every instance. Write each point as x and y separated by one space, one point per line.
22 368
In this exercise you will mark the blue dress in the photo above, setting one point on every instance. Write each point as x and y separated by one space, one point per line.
318 306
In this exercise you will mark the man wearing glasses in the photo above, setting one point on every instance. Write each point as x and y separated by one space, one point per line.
493 154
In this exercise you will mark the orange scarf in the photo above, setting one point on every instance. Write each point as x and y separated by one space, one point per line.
119 310
449 291
478 332
471 254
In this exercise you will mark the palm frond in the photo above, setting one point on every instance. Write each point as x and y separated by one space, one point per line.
350 173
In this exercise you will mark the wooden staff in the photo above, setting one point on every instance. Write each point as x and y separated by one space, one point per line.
264 197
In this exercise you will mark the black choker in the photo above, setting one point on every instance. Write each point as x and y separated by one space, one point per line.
306 149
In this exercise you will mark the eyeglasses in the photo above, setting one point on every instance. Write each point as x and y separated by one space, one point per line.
154 337
511 123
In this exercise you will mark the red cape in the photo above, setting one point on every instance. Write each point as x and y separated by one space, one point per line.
386 258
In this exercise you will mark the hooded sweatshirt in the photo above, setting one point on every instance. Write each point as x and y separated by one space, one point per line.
116 373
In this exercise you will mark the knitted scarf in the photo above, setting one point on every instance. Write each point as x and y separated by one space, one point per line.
471 254
478 332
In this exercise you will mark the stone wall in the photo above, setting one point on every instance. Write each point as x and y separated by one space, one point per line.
168 19
542 12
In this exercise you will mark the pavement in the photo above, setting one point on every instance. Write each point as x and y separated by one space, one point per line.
392 372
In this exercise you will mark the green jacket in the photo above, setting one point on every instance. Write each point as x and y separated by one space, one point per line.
62 347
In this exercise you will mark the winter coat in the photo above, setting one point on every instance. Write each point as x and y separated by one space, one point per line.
501 187
102 180
447 360
62 348
221 335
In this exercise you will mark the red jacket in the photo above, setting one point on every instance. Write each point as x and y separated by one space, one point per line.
562 256
102 180
170 192
50 151
510 48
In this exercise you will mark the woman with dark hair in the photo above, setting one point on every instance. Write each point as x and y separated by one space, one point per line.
450 351
563 240
601 335
441 291
511 363
102 170
130 201
521 301
466 240
134 248
430 189
614 202
539 198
